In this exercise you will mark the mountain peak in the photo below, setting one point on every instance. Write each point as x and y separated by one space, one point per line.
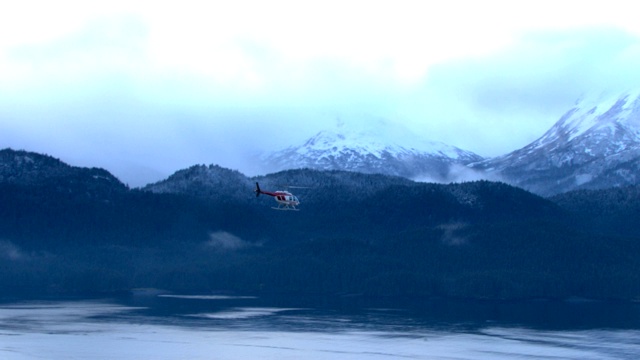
595 144
371 145
601 110
377 136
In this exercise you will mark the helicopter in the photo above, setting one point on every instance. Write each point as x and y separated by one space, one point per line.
285 199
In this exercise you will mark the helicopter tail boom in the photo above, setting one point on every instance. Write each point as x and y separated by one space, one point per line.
259 191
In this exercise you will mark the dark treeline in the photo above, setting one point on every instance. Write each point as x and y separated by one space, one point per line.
613 211
356 234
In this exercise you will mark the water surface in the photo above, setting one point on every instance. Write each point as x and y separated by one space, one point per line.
222 327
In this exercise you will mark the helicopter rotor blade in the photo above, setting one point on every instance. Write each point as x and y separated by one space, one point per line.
293 187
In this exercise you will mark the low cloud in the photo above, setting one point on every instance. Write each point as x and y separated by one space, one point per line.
10 251
459 173
222 240
451 234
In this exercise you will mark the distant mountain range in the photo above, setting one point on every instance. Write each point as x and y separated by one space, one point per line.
594 145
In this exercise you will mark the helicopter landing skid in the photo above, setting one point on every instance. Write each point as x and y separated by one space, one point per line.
287 208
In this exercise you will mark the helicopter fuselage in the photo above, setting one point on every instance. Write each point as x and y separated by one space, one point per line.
285 199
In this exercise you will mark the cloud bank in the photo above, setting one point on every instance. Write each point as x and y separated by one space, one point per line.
146 90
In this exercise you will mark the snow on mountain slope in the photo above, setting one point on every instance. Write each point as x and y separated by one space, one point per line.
371 146
596 144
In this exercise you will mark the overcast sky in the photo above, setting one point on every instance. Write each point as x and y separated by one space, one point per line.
144 88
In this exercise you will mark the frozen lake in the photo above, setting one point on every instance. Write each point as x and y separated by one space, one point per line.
220 327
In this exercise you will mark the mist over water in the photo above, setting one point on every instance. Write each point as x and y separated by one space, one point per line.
223 327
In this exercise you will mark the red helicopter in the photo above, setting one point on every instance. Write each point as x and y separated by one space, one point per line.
285 199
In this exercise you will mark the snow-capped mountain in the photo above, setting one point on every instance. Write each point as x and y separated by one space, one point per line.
372 146
596 144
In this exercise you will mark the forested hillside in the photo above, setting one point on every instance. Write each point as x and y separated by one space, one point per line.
614 211
204 230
